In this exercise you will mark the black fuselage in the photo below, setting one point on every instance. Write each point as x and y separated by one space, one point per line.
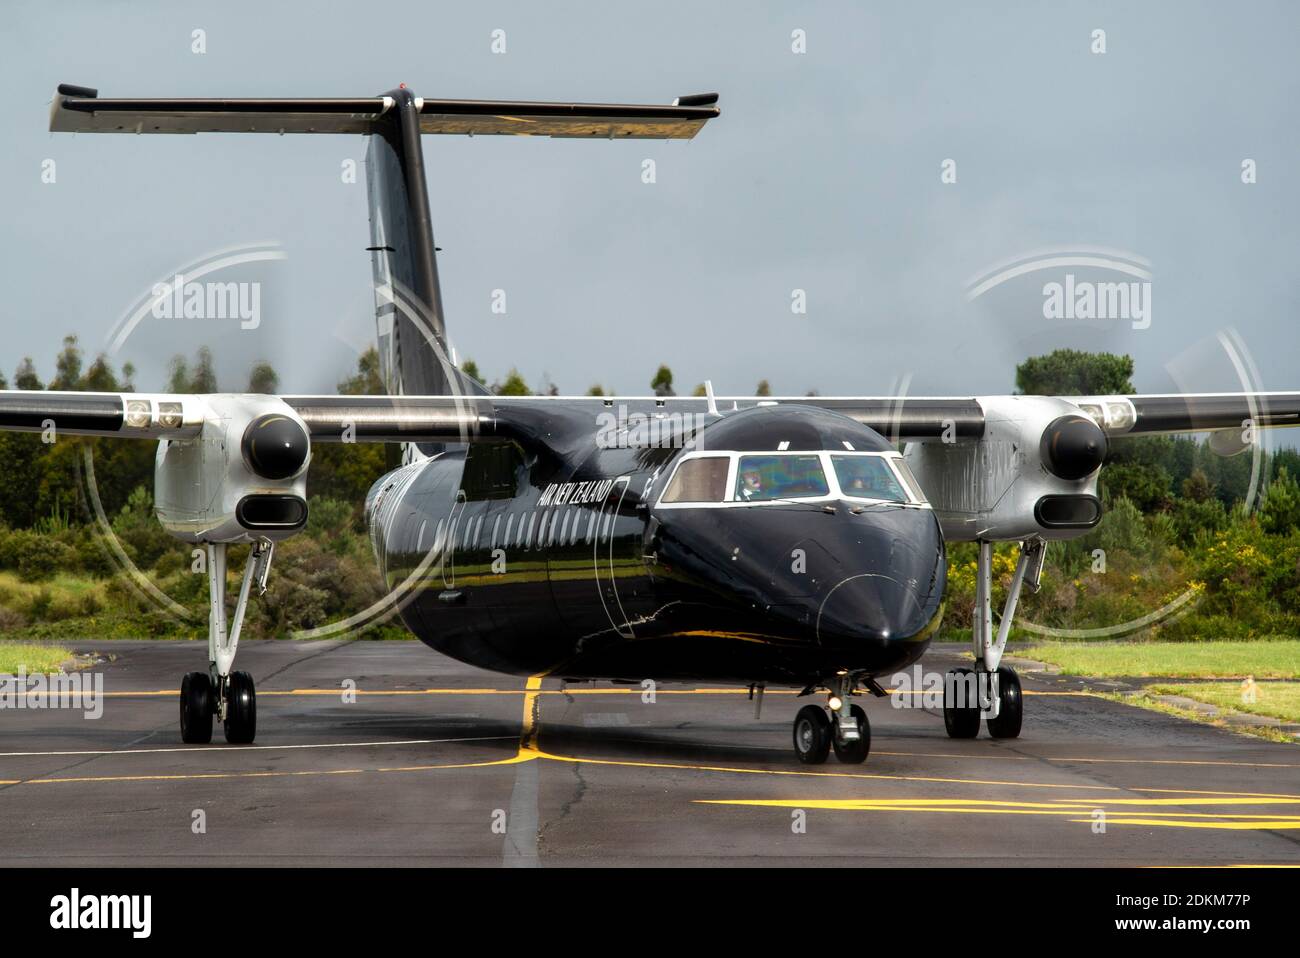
551 553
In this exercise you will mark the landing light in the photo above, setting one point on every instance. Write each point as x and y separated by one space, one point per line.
835 703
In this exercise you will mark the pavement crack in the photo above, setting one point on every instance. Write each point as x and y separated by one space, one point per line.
332 647
579 792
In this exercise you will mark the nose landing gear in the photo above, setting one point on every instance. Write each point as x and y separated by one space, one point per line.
812 735
846 730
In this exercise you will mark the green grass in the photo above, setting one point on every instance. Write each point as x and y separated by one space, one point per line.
1276 699
31 656
1279 659
1144 701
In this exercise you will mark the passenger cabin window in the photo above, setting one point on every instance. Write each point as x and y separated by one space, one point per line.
699 480
762 478
868 477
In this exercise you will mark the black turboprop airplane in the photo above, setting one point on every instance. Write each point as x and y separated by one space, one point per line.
743 540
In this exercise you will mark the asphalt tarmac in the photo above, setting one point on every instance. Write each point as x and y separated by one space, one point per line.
435 763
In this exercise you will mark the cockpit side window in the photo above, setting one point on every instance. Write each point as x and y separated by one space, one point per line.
905 471
703 479
868 477
761 478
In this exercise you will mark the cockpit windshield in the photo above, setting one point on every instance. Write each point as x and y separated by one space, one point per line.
723 478
760 478
868 477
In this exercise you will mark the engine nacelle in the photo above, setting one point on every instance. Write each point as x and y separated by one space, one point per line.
244 477
1032 475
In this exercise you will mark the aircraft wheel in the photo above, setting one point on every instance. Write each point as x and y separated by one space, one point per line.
854 753
812 735
961 719
1010 711
197 706
241 709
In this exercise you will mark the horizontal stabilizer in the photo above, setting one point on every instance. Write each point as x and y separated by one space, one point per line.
81 110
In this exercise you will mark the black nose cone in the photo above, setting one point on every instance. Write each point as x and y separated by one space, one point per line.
869 606
893 588
275 446
1073 447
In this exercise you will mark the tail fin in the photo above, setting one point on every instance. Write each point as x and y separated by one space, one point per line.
408 302
412 333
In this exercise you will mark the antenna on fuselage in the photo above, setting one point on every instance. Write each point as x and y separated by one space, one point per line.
708 394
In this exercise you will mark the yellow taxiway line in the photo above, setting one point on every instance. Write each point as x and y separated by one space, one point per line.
1143 812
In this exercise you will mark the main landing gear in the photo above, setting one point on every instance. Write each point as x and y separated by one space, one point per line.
221 692
846 729
991 689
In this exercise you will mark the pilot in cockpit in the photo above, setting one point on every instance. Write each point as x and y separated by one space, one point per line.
868 478
751 485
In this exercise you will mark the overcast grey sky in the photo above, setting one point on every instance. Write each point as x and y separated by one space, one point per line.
823 174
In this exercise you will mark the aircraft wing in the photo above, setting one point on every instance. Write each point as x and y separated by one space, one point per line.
181 416
927 417
1190 412
465 418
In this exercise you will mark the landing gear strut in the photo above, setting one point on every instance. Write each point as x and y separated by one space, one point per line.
846 730
220 692
991 689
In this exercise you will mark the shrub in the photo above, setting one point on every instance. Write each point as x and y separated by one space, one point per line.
142 536
34 557
1279 512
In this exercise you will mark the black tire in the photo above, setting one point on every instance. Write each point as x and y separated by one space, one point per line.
812 735
1010 709
241 709
961 721
854 753
197 706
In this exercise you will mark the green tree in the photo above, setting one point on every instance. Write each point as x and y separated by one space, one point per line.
366 381
596 390
662 384
513 386
1197 487
345 471
25 375
763 389
67 365
178 375
263 378
1072 372
200 378
1279 513
205 376
470 369
99 377
1144 485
